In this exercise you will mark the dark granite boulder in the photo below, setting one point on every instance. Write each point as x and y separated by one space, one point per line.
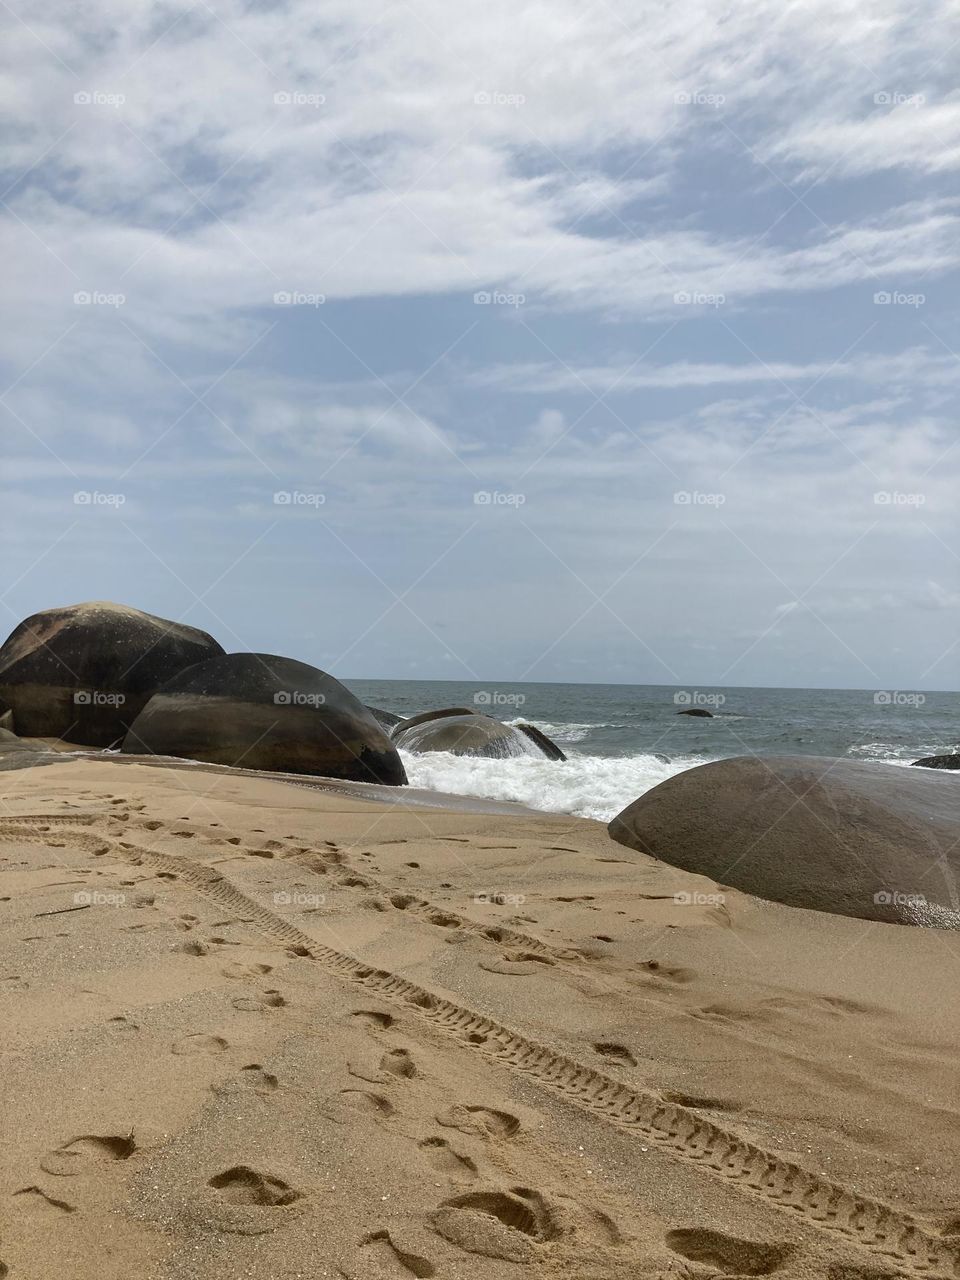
871 841
938 762
83 672
258 711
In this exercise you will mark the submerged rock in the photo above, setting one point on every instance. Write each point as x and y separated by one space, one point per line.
696 711
540 739
259 711
854 838
83 672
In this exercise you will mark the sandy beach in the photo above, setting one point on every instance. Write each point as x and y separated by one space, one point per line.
259 1028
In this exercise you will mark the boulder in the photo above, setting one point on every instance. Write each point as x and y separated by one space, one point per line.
540 739
461 732
938 762
871 841
83 672
385 719
697 711
17 754
259 711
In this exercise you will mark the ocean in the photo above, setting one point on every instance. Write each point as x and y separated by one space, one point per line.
621 740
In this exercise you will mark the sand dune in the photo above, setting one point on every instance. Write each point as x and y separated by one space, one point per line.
253 1028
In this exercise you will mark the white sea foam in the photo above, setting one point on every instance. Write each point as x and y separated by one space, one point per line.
586 786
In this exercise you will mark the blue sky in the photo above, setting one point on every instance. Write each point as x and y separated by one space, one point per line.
549 342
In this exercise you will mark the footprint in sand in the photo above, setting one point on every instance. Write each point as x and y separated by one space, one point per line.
259 1003
198 1042
508 1225
449 1161
485 1121
728 1254
363 1100
615 1053
384 1254
80 1154
243 1185
252 1077
237 970
374 1019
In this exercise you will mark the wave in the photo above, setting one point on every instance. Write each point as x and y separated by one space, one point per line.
583 786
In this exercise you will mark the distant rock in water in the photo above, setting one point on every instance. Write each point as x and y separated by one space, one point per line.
83 672
849 837
696 711
938 762
540 739
467 733
259 711
385 719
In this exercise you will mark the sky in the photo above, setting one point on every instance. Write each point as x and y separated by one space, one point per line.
557 341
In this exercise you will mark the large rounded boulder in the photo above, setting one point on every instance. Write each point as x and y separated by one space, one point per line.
468 733
84 672
857 839
259 711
